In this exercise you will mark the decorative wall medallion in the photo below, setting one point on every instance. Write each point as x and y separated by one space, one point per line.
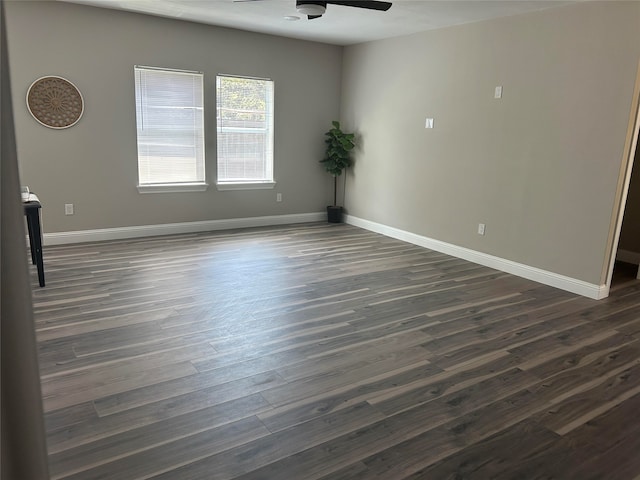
55 102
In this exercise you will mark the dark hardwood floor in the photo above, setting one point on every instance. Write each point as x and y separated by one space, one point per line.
328 352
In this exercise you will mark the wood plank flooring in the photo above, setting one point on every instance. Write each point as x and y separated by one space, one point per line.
328 352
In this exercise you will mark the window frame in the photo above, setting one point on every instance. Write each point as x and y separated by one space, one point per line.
250 184
196 185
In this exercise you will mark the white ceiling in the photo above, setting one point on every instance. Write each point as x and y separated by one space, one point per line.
340 25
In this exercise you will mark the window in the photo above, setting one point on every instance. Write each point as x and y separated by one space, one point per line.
245 132
170 128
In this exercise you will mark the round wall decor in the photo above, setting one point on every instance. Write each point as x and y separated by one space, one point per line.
55 102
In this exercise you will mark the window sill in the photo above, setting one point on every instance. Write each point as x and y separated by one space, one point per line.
173 188
246 186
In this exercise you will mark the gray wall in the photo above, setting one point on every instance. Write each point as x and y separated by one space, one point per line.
94 165
539 167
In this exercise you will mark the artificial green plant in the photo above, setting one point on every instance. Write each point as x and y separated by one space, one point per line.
338 154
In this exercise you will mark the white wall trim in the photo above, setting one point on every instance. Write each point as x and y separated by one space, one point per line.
119 233
532 273
173 187
545 277
628 256
245 186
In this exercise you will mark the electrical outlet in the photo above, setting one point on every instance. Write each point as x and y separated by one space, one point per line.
481 229
68 208
278 197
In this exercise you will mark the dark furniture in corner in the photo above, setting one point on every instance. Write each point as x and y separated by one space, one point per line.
32 212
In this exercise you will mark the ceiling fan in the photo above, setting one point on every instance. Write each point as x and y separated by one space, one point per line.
316 8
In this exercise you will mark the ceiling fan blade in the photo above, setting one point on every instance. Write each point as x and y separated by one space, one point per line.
369 4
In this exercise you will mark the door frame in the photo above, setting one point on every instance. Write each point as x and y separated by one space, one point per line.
623 183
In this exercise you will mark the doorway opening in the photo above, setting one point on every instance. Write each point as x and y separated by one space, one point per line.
624 264
627 264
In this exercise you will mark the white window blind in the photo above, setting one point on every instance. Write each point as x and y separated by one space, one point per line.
245 129
170 126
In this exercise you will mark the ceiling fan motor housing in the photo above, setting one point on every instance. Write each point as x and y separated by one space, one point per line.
311 7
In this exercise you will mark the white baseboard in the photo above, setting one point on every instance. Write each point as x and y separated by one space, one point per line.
628 256
545 277
119 233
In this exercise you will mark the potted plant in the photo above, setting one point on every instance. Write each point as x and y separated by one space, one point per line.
337 159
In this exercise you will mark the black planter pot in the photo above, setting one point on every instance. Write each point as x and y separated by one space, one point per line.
334 214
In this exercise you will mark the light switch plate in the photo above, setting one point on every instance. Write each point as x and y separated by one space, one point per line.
428 123
498 92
